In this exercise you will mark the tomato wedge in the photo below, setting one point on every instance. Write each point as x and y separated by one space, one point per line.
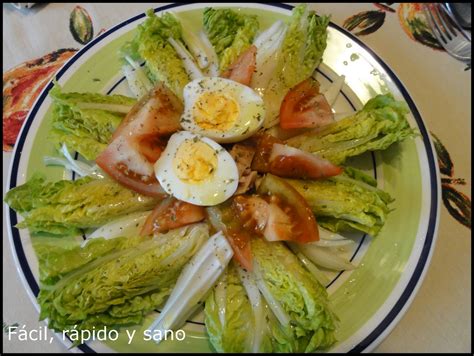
139 140
272 156
304 226
172 213
243 68
264 144
263 215
240 242
252 210
279 226
143 184
305 107
222 218
286 161
151 146
155 114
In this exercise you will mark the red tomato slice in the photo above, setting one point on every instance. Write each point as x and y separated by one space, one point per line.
264 216
279 226
253 211
172 213
156 113
304 226
151 146
264 144
243 68
286 161
304 106
140 139
272 156
143 184
240 242
223 218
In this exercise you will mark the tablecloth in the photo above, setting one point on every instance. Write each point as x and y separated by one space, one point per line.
439 319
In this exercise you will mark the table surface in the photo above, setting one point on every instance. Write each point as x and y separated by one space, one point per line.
439 319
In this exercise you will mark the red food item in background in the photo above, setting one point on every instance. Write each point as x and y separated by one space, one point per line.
11 128
22 85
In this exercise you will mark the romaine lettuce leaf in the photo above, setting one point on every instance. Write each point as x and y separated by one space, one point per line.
230 33
230 322
117 281
57 257
151 45
301 52
65 207
87 147
229 317
342 202
381 122
303 46
85 121
357 177
312 323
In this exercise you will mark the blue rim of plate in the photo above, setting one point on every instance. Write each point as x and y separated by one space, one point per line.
432 221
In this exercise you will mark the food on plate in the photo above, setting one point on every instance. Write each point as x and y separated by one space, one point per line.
151 46
112 282
243 155
235 319
268 44
300 53
223 218
241 71
288 161
273 156
196 170
345 202
300 222
170 214
298 300
193 284
223 182
230 33
200 47
140 139
381 122
67 207
221 109
85 122
305 107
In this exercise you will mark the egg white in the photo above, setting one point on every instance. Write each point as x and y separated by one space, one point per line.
251 108
220 185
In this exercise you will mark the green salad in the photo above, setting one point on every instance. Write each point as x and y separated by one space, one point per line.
221 184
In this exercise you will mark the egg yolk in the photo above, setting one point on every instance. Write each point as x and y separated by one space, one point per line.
216 111
195 161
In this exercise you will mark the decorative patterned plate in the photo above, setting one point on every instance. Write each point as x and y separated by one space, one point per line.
370 300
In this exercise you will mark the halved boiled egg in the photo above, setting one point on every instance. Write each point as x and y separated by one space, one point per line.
197 170
221 109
